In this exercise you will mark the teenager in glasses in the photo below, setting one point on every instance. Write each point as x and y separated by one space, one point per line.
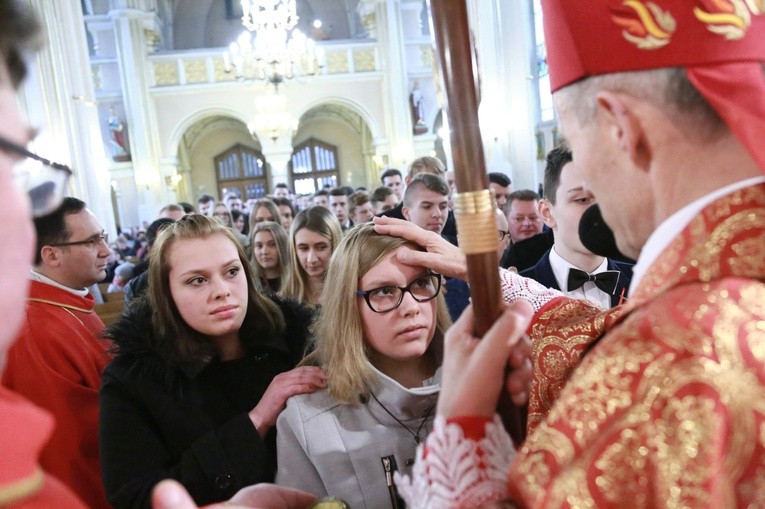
379 337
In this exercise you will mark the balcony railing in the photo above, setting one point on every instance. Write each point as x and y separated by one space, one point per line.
205 67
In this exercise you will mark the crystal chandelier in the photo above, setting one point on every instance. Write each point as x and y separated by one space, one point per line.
272 118
271 48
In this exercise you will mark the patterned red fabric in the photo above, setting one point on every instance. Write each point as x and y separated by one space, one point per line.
560 334
668 409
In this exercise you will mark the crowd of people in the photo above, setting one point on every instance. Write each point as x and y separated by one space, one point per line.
269 354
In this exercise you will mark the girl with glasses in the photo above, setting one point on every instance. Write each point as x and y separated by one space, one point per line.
224 217
203 368
379 337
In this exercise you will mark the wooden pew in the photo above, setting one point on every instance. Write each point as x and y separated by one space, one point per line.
109 311
114 296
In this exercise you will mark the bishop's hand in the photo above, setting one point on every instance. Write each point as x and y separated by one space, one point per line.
474 368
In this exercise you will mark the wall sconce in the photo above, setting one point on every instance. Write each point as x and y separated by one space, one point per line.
172 181
380 160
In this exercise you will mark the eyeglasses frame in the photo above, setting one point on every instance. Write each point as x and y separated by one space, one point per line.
93 239
16 149
404 289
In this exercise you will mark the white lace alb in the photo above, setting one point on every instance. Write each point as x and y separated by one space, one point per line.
515 287
459 472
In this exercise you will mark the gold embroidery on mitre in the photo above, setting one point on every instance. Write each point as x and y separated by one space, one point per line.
729 18
645 24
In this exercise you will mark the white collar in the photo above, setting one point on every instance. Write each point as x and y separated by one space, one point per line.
560 268
40 278
671 227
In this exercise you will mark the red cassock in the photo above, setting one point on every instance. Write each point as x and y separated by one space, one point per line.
668 408
56 362
24 428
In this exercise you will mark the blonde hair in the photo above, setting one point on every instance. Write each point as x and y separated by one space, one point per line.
268 205
339 341
279 235
174 339
429 164
316 219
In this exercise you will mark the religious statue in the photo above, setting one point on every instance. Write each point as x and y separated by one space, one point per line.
118 137
418 110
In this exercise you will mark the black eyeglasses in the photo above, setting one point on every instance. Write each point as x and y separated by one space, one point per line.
502 234
388 298
91 242
43 180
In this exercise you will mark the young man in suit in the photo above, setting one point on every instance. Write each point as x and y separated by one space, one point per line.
433 166
569 266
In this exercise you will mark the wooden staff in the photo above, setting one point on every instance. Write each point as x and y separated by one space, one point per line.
474 207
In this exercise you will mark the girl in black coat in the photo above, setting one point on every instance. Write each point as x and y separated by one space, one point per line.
204 365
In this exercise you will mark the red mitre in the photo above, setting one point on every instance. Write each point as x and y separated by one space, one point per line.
720 43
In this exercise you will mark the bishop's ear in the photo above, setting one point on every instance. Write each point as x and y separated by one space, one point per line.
624 126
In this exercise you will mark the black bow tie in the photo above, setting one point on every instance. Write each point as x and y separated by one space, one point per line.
605 280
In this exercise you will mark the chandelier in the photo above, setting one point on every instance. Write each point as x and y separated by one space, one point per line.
272 118
271 48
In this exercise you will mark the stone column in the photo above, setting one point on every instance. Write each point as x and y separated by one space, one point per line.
509 102
129 19
60 97
398 122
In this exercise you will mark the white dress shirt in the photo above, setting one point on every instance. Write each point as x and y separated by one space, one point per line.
588 291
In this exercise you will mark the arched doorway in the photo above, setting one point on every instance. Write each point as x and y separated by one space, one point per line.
218 154
337 125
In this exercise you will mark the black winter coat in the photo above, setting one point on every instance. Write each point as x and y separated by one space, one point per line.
159 420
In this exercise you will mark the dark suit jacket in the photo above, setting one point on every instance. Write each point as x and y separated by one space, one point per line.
542 273
526 253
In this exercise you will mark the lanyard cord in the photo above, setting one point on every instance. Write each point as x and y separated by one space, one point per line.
416 436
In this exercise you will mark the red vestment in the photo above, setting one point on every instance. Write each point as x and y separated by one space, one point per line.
56 362
669 408
24 429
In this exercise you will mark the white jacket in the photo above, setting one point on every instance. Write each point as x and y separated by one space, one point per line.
336 450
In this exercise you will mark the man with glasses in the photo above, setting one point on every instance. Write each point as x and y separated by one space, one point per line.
502 232
57 359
